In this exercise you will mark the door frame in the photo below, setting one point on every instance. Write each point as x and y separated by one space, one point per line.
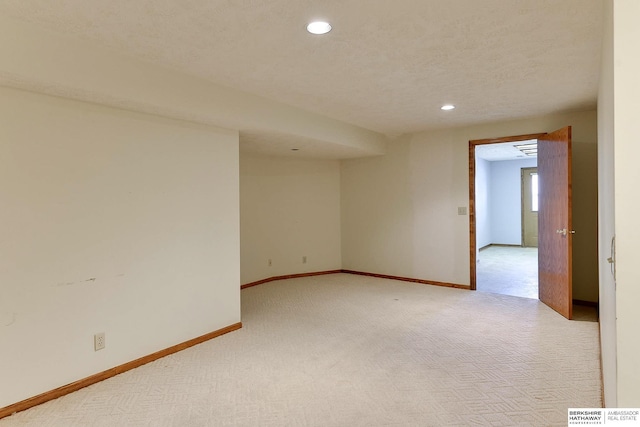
472 193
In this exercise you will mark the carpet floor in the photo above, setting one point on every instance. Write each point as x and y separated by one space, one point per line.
346 350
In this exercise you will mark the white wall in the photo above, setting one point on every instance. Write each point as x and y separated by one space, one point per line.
626 87
506 200
498 201
483 203
289 209
399 211
112 222
606 212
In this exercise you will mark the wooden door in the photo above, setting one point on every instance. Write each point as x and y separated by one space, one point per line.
529 177
555 232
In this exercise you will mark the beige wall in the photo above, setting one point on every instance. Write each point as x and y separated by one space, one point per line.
112 222
626 69
399 211
606 212
289 208
377 233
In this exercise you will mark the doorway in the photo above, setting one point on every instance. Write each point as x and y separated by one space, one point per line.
555 232
505 210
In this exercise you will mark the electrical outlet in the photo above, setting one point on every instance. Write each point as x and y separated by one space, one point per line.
269 263
99 341
462 210
304 259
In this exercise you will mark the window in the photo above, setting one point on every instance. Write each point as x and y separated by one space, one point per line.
534 192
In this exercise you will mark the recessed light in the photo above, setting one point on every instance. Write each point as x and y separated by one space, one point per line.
295 149
447 107
319 27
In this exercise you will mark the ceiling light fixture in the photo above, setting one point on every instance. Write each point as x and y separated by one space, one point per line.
528 149
447 107
319 27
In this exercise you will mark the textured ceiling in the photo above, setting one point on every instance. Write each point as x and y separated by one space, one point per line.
387 65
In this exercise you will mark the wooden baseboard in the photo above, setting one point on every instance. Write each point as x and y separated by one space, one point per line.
360 273
407 279
586 303
289 276
77 385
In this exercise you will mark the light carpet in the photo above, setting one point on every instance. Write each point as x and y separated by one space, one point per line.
346 350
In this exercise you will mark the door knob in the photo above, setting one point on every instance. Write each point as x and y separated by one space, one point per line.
564 231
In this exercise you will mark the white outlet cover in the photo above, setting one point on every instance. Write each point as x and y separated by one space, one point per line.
99 341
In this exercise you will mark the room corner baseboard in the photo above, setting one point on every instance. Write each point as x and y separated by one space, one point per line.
407 279
500 245
77 385
289 276
586 303
360 273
